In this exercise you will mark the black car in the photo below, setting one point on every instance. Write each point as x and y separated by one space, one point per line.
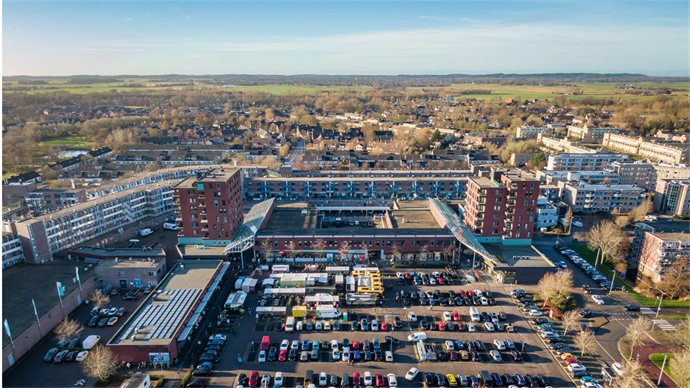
474 356
543 380
292 355
508 379
485 317
424 301
480 345
336 326
202 371
378 355
406 302
242 379
441 355
517 357
271 354
394 340
502 316
470 346
71 356
539 321
488 294
467 301
333 380
213 347
632 307
553 340
428 379
585 313
424 324
94 321
401 281
531 381
197 383
211 359
498 381
440 380
279 326
397 323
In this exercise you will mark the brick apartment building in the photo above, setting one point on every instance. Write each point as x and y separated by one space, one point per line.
660 250
501 206
672 197
209 207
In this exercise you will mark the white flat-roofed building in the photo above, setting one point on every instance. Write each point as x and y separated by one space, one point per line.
579 162
587 198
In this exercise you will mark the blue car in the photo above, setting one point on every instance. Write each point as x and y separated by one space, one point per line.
519 379
357 355
305 344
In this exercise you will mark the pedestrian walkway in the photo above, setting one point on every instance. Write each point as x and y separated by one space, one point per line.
663 324
647 310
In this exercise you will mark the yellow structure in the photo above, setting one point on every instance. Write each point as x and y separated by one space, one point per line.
368 280
299 311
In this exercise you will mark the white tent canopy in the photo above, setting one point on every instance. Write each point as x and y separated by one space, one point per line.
271 310
268 282
235 300
321 298
289 291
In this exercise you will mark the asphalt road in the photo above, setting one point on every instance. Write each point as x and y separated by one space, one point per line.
295 153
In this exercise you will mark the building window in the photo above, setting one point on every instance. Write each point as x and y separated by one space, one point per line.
152 273
497 208
121 273
497 216
495 223
495 231
215 203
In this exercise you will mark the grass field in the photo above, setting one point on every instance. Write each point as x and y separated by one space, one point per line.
297 89
598 90
72 141
658 359
672 316
607 270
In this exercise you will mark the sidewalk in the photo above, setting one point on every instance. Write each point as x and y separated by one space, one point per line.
649 366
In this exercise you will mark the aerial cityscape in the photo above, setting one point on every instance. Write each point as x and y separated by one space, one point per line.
346 194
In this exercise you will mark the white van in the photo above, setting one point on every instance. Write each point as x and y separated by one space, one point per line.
417 336
289 324
170 226
474 314
90 341
146 231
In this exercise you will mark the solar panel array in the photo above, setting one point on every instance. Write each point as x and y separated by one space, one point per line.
163 317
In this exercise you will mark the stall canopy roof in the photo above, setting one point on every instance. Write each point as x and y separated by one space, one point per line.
295 290
323 298
236 300
273 310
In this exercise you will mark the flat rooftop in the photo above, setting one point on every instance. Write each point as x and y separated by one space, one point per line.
413 219
189 251
17 295
124 263
158 319
507 256
483 181
666 226
287 219
120 253
421 204
684 237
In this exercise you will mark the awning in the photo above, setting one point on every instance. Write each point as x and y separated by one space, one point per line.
322 298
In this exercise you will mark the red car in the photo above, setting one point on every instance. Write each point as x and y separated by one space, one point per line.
283 355
462 294
254 379
461 326
453 356
356 379
456 316
470 294
441 326
384 326
440 281
379 380
408 276
355 346
569 361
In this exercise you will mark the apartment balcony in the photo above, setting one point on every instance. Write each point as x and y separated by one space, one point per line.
178 219
204 228
511 202
202 195
204 220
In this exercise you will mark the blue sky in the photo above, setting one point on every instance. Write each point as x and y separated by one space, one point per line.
325 37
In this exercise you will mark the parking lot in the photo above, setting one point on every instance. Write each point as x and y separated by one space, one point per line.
536 359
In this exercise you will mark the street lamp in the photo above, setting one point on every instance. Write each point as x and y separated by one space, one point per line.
660 301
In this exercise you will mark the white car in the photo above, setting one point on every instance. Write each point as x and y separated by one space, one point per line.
82 355
576 368
262 356
495 356
598 299
500 345
484 301
278 380
285 345
478 293
411 374
618 368
549 333
392 380
450 346
294 345
334 344
412 316
591 385
432 281
368 379
471 328
489 326
345 356
509 344
327 325
318 326
299 326
389 356
374 325
336 354
218 337
535 313
323 379
446 316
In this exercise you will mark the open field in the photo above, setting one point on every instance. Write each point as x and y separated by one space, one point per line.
297 89
596 90
72 141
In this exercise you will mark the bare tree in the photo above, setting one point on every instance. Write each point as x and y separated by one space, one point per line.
636 330
548 286
570 319
680 368
607 237
266 247
292 247
564 281
319 246
449 251
639 213
585 341
675 282
681 337
569 214
395 251
634 376
100 363
99 299
68 329
345 246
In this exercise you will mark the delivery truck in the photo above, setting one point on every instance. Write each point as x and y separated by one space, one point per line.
327 312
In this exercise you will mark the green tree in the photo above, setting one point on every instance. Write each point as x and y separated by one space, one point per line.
436 136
